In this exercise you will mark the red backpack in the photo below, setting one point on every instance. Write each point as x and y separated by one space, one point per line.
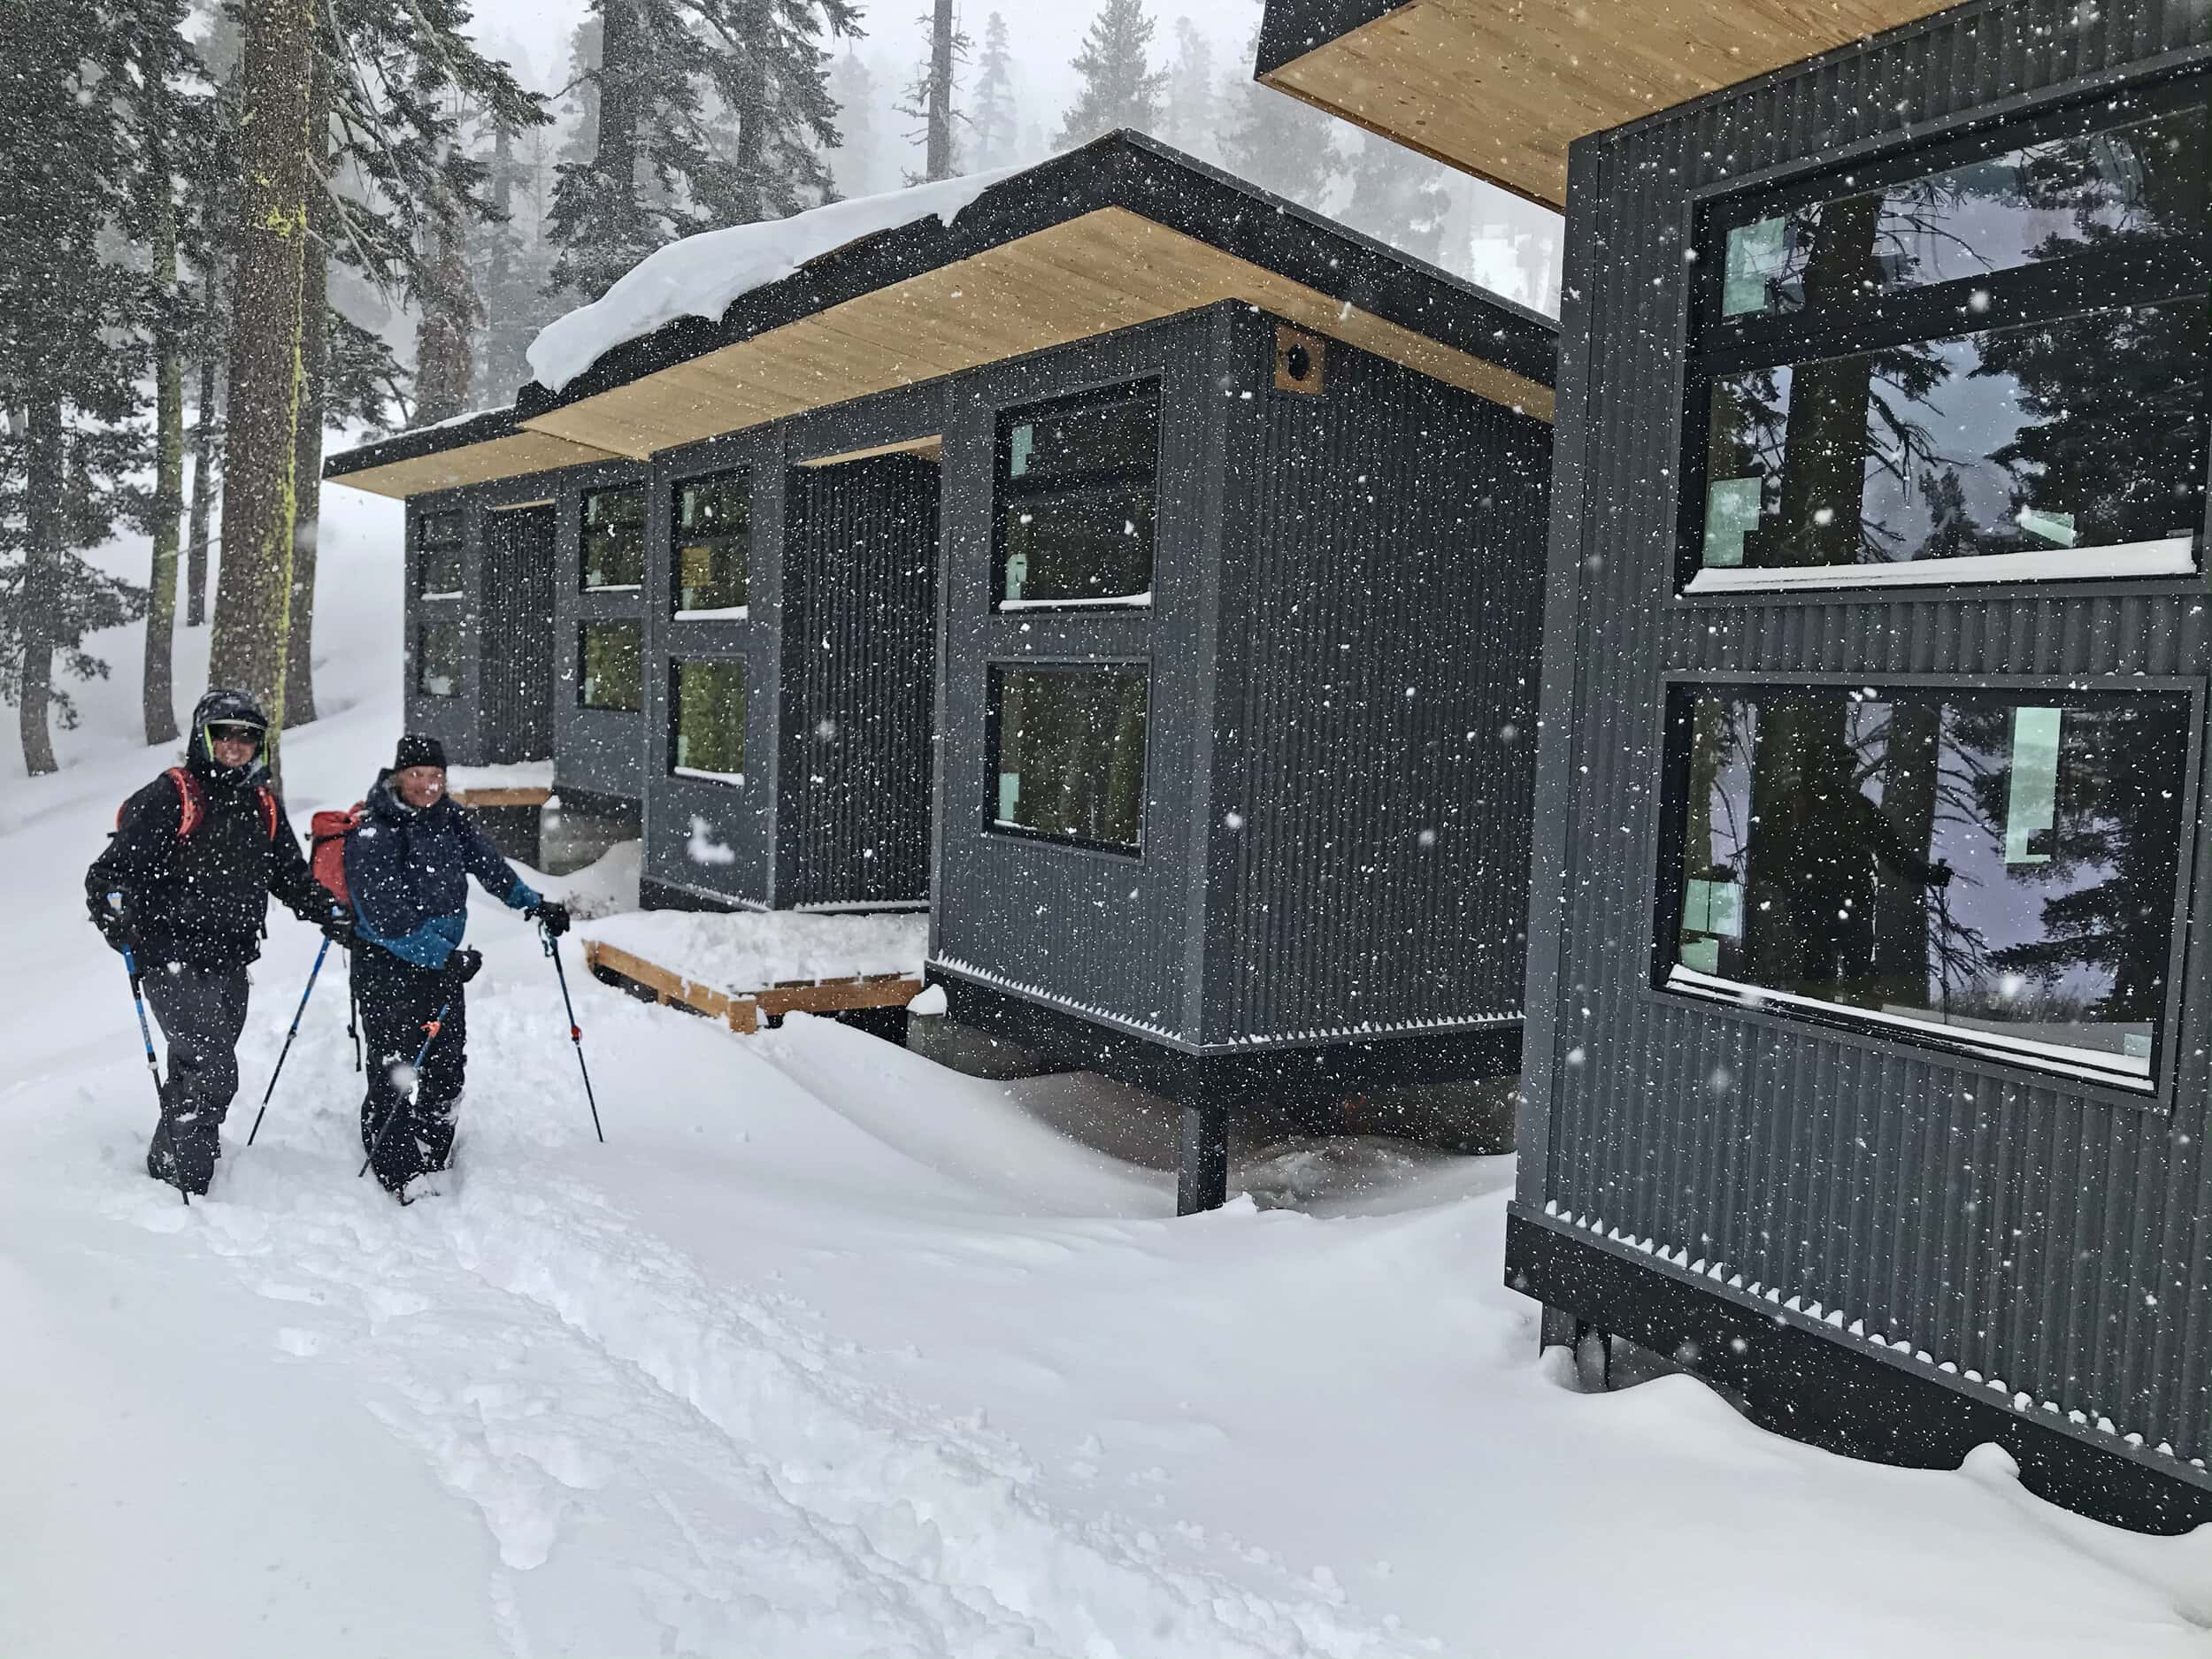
192 803
326 833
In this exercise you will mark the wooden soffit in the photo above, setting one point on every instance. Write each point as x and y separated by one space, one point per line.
1500 88
1104 269
511 456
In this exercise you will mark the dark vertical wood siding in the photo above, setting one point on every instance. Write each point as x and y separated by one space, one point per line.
859 681
1983 1219
1383 605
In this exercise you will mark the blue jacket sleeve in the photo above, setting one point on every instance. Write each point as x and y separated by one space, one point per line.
375 879
483 860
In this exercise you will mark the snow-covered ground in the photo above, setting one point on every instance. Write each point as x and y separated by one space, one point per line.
829 1352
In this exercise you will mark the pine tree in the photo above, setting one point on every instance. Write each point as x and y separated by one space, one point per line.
1190 111
992 122
1275 142
1120 88
929 100
253 595
509 269
67 370
1397 198
856 160
658 168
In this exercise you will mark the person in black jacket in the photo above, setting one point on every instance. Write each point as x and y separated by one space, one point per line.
407 868
185 884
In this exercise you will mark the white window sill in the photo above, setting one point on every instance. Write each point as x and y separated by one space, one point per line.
704 776
1132 602
727 613
615 587
2095 1065
455 594
2176 556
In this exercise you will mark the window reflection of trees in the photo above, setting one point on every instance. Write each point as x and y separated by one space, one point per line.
1853 848
2092 427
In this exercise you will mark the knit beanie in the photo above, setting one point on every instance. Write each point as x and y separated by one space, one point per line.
417 750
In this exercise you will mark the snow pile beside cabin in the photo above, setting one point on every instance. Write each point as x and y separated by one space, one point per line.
750 950
704 275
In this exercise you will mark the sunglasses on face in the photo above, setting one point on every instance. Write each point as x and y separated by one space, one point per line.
233 734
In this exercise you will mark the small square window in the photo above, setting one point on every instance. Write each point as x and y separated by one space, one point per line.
1077 497
713 533
614 540
707 723
612 659
438 540
1068 751
438 651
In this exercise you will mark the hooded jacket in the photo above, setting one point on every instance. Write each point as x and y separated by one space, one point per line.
203 898
407 869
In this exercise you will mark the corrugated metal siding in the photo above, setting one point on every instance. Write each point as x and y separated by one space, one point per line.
1385 599
860 586
518 647
2053 1241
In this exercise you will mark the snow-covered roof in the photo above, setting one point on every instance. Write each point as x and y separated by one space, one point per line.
701 275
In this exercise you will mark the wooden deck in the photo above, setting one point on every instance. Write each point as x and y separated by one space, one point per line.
746 1012
516 794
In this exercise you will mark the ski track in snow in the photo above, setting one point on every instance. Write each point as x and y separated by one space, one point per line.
568 1373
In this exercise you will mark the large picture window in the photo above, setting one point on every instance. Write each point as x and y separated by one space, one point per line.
438 544
1078 486
1993 871
438 650
610 661
1986 364
1068 752
713 535
614 539
707 720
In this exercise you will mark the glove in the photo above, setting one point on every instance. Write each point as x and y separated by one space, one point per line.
461 966
112 915
551 914
338 928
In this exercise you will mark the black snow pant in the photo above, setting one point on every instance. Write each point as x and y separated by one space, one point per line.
398 1001
200 1011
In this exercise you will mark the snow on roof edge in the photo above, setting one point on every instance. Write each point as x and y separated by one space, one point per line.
701 275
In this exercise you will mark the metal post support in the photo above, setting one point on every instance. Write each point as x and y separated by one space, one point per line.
1201 1163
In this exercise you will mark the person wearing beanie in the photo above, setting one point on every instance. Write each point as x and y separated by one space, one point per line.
407 866
184 885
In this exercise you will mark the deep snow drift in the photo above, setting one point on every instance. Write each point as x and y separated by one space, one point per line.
828 1352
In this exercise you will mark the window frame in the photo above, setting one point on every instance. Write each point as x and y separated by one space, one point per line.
742 471
739 780
584 625
444 609
425 546
640 488
1715 346
1664 884
1004 418
993 667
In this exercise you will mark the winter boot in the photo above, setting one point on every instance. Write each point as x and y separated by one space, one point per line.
182 1159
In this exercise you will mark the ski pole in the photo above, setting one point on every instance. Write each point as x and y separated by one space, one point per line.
146 1036
281 1053
575 1031
430 1031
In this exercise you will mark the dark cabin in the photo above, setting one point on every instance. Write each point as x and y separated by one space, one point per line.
1868 1056
1138 570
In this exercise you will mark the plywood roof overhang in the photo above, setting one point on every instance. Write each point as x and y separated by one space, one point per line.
481 451
1500 88
1123 231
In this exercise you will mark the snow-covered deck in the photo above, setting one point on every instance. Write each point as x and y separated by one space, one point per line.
750 967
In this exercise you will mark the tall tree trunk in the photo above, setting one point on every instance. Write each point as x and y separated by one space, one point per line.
307 465
202 482
621 101
158 695
43 482
444 355
938 157
253 595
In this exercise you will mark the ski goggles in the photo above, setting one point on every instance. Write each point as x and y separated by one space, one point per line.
232 732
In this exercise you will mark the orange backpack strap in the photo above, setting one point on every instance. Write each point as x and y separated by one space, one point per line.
189 808
268 808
